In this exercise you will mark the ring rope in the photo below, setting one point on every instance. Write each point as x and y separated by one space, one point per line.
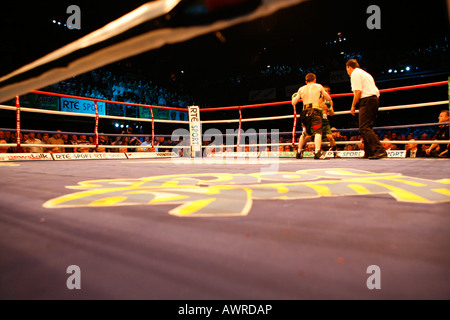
66 113
397 127
415 86
406 106
91 146
417 105
105 101
96 125
18 110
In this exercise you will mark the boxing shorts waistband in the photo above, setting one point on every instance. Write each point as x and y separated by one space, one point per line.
311 105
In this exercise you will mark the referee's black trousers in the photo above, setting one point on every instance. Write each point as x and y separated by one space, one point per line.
368 109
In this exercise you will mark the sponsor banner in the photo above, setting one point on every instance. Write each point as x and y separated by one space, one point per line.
339 76
396 153
277 154
25 156
291 89
113 109
246 154
195 129
308 154
32 100
82 106
264 94
150 155
262 154
88 156
159 114
176 115
286 154
360 153
227 154
145 113
344 154
270 154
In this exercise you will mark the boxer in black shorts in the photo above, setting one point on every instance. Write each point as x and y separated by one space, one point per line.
311 115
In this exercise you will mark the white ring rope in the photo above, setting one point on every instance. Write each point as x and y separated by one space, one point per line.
132 46
92 146
75 114
406 106
213 145
409 106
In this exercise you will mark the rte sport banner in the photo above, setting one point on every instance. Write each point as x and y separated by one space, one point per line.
82 106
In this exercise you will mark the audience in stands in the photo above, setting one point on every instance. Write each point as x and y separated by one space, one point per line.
164 144
103 85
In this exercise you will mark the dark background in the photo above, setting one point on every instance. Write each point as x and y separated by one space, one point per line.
292 36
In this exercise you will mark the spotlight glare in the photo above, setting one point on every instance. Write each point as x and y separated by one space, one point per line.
390 70
408 68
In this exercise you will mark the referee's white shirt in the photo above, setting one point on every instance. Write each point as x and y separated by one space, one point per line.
361 80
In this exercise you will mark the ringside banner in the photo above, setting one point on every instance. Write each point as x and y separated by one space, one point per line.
82 106
88 156
25 156
150 155
195 129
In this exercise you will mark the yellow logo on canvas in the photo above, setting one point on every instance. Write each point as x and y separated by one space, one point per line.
228 194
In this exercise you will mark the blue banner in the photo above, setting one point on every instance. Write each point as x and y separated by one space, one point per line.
82 106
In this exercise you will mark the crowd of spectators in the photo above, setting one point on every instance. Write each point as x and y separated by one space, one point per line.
131 85
128 142
434 55
103 84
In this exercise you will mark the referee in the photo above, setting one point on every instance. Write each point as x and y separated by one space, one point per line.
366 94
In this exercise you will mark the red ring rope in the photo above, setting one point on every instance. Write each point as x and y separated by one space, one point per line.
96 125
416 86
153 128
96 109
295 125
18 120
240 125
106 101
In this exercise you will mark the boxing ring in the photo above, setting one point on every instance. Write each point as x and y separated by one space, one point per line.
220 224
